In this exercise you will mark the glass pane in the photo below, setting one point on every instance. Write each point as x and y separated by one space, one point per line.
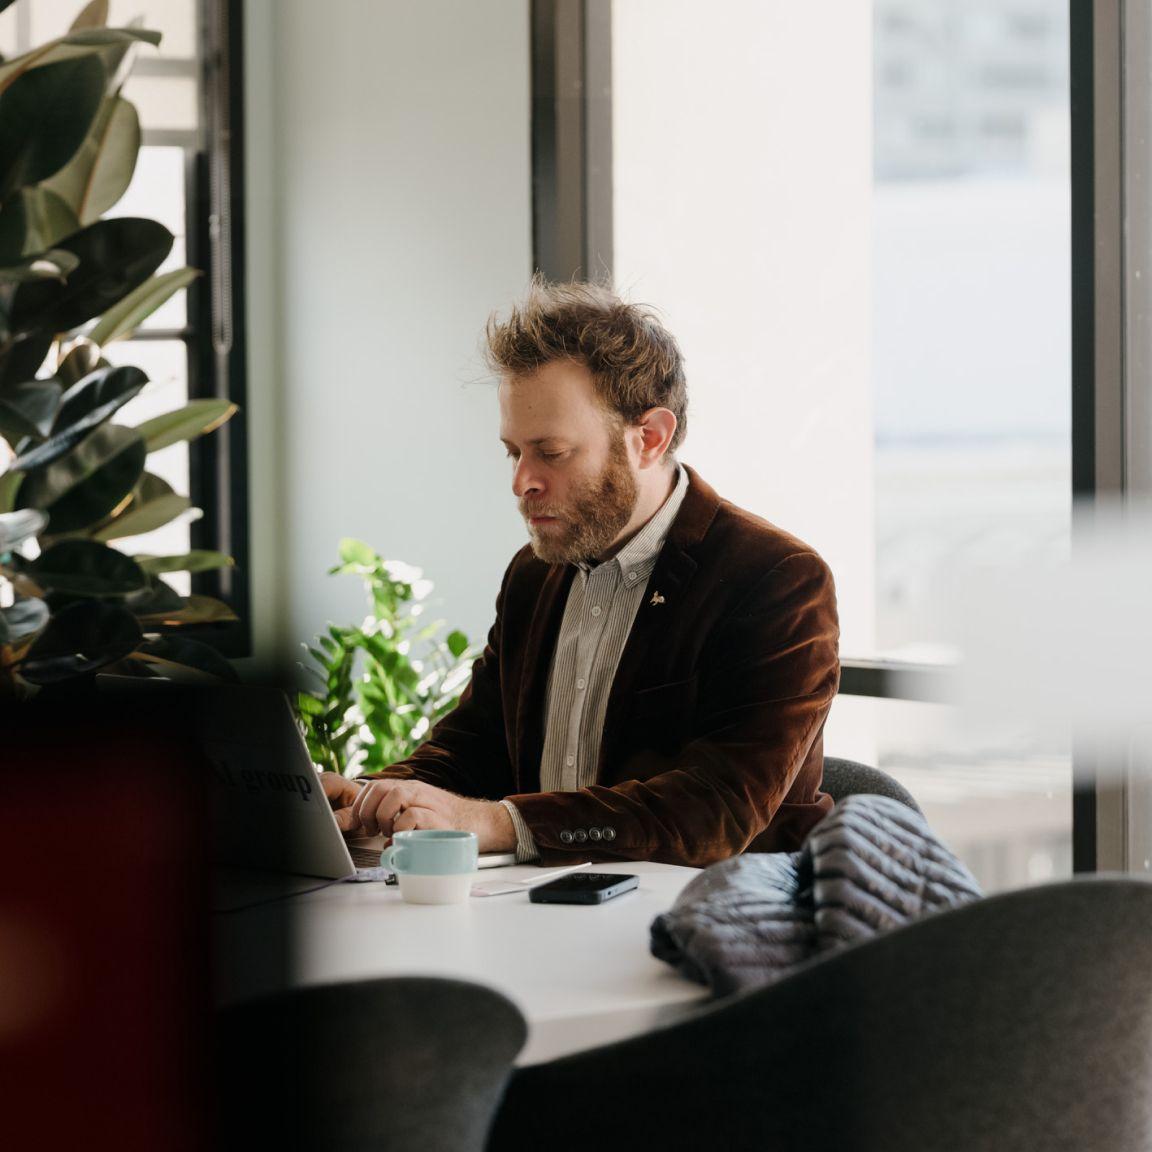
157 188
971 304
164 101
1002 801
9 44
870 282
157 192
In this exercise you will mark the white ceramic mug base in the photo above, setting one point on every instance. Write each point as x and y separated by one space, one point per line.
435 889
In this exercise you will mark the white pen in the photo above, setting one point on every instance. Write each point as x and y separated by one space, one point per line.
503 887
552 875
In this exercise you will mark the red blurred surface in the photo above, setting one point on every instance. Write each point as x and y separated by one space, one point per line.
103 931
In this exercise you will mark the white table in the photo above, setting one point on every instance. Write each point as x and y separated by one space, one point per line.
582 975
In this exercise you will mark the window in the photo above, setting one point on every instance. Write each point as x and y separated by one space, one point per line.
186 93
859 232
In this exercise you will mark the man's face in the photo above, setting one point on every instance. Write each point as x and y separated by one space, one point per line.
572 473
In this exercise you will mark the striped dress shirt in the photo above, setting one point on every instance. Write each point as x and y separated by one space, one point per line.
602 604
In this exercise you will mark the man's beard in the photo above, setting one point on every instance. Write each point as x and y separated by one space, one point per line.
592 518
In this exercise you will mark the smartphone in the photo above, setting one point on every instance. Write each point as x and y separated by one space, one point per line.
583 888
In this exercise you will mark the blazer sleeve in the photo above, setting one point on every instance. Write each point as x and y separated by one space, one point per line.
764 683
467 750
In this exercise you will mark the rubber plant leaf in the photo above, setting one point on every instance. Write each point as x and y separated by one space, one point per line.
82 567
154 600
86 485
79 639
123 319
93 15
45 115
99 42
97 396
197 561
115 257
101 169
195 419
139 519
28 409
87 568
24 358
149 489
180 657
195 610
85 406
32 220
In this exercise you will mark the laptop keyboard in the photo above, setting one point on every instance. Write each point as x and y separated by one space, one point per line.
365 857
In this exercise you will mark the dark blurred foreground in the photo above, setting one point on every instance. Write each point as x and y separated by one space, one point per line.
105 929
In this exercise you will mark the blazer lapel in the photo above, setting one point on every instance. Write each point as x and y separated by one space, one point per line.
658 620
656 624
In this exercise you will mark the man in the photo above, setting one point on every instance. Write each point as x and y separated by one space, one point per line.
656 682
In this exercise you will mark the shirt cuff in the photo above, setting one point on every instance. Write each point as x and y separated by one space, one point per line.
526 851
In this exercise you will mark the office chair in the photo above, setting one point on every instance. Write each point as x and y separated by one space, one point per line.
403 1063
848 778
1020 1021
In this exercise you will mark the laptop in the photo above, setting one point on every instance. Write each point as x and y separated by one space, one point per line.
269 812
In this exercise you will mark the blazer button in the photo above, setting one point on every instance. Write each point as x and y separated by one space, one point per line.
565 837
580 836
594 833
609 833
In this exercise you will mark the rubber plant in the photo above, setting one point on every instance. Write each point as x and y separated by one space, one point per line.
73 480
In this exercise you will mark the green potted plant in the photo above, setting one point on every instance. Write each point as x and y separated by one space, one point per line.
73 480
380 686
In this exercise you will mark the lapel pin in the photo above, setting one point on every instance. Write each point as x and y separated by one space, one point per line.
656 598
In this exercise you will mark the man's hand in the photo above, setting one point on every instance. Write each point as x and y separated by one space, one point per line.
340 792
387 806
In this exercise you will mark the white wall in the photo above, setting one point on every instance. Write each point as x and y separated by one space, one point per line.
389 212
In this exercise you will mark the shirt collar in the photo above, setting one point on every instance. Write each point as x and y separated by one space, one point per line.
639 554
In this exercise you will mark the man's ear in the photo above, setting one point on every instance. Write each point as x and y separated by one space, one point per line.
657 427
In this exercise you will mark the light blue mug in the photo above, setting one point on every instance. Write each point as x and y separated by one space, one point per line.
433 865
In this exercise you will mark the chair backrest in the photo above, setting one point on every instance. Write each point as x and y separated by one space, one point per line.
402 1063
849 778
1019 1021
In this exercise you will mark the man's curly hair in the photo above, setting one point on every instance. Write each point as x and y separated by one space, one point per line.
634 360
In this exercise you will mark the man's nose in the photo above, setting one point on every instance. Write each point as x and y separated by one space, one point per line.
525 481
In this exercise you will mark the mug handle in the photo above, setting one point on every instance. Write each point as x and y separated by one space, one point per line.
391 857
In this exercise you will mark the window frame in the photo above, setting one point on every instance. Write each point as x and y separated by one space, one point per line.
1111 392
217 342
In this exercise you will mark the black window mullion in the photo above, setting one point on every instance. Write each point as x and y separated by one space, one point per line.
218 464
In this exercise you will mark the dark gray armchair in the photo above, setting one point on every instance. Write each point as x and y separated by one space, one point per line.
1023 1021
849 778
410 1064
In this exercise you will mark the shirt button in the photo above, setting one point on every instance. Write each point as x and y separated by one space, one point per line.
631 575
596 611
609 833
581 682
594 833
565 837
580 836
569 760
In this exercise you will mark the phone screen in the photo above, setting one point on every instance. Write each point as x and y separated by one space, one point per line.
583 888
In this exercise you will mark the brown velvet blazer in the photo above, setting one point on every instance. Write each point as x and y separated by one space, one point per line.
713 735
